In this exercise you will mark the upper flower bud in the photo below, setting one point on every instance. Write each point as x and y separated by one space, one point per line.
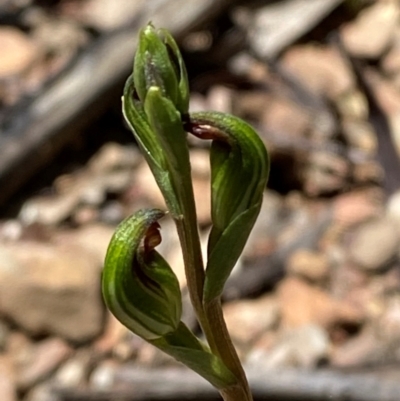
155 103
158 63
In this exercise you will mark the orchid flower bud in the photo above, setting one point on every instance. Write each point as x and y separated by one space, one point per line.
143 293
139 287
156 97
159 63
239 173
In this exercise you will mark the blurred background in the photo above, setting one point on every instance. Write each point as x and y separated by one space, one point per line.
313 305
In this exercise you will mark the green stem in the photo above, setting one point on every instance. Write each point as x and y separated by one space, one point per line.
210 316
192 256
236 393
193 261
225 349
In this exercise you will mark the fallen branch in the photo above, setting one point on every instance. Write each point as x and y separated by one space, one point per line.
386 152
33 133
288 385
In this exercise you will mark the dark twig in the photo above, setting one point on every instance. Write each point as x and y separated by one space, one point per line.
386 155
37 130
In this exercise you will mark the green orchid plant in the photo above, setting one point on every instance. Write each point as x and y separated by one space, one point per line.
139 286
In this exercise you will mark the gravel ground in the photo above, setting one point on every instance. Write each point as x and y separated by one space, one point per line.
317 287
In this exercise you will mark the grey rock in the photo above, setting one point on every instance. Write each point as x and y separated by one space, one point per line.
42 392
364 349
371 33
110 170
4 331
112 213
375 244
311 265
109 15
45 357
8 389
103 377
51 289
247 320
393 208
74 371
301 347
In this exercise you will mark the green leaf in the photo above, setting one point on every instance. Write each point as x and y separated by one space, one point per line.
136 118
227 251
187 349
151 146
167 124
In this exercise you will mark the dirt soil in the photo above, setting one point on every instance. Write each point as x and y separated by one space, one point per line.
318 286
